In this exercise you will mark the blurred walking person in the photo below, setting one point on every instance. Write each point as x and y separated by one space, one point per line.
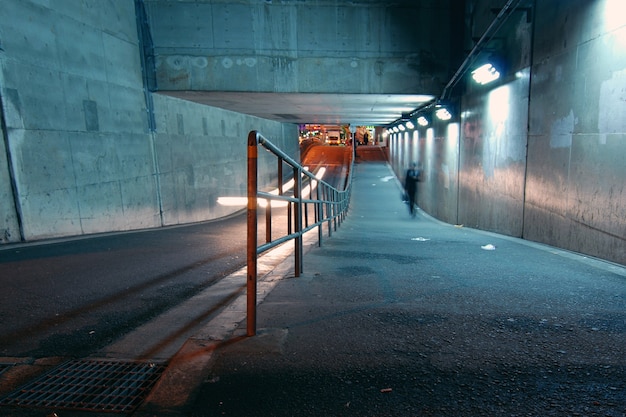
410 186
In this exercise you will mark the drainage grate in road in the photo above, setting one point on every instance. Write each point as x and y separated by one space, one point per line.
94 385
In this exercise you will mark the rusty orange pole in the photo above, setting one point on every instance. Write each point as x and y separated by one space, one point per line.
252 233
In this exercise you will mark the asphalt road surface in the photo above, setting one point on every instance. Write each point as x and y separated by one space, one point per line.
73 297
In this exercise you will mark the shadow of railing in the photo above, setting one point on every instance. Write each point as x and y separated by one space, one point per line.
309 202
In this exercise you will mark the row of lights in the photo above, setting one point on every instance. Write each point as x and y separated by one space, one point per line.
482 75
423 119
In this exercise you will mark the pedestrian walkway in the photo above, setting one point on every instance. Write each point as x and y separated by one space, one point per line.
401 316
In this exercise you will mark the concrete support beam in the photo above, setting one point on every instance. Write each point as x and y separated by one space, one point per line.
301 47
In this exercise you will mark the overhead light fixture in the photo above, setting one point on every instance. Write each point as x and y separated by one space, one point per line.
401 127
422 121
443 114
485 74
409 125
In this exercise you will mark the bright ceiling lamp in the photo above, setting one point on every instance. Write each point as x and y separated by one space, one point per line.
422 121
409 125
485 74
401 127
443 114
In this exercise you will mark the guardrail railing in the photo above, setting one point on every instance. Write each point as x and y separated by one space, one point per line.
306 202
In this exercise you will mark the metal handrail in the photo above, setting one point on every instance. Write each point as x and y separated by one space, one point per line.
329 205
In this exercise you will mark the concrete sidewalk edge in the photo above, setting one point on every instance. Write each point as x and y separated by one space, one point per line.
189 367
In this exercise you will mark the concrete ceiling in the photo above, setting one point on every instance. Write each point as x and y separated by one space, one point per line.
297 108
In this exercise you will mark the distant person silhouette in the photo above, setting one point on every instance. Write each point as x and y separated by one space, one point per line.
410 186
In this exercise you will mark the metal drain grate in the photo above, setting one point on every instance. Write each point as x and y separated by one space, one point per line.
90 385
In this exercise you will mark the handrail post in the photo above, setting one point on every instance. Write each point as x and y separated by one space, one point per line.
329 211
334 200
319 210
297 193
329 208
251 283
289 205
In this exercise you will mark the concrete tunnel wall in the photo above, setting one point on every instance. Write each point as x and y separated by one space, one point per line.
541 155
78 156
